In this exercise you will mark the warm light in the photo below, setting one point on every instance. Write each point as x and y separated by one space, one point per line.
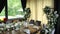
1 19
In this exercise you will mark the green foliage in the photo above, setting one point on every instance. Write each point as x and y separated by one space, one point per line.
3 12
13 7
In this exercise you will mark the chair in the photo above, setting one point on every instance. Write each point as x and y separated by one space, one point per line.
32 22
38 23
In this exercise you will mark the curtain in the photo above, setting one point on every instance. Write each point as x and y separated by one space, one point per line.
2 4
23 4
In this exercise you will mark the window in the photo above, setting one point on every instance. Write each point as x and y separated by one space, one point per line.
14 9
2 14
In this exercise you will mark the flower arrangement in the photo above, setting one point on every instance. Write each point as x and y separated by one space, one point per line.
52 18
27 13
